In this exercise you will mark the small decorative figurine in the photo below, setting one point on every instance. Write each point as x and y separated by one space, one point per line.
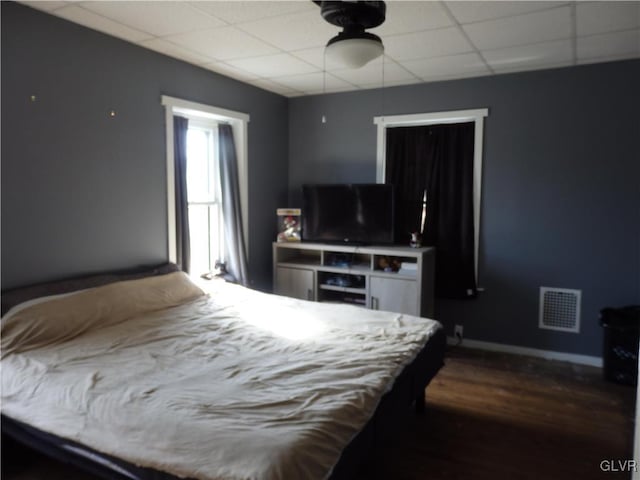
383 264
388 264
416 240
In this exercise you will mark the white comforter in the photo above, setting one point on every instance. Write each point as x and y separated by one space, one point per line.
234 384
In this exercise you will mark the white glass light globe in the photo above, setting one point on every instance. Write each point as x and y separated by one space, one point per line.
354 52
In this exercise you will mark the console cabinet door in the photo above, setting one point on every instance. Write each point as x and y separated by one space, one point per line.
394 295
295 282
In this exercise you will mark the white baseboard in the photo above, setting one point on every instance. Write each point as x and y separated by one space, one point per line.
533 352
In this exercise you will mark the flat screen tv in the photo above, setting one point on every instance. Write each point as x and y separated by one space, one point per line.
348 213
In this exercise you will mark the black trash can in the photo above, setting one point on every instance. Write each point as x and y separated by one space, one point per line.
621 336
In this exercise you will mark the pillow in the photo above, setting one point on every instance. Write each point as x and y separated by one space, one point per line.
15 296
21 306
63 318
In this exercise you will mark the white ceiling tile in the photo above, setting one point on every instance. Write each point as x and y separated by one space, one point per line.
391 83
315 56
293 32
371 74
313 83
223 43
312 91
432 43
157 18
602 17
477 11
275 87
46 6
612 45
273 65
457 76
452 65
246 11
554 24
92 20
609 58
528 56
405 17
172 50
230 71
524 67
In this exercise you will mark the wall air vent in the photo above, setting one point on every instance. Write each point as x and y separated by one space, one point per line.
560 309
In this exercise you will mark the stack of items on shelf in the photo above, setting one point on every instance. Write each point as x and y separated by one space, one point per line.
408 268
340 259
355 281
354 299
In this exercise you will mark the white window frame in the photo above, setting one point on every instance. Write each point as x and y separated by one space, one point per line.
239 123
437 118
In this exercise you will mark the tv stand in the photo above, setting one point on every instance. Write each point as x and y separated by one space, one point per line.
356 274
347 244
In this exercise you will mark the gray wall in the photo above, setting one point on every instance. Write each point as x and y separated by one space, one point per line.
560 196
84 192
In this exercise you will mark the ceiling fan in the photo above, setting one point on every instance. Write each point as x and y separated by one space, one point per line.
353 46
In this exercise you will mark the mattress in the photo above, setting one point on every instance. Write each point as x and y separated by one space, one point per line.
231 383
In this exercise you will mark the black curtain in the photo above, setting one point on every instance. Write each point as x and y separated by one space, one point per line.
406 170
183 255
438 159
234 237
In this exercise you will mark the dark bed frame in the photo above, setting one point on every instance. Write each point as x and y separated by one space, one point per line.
407 395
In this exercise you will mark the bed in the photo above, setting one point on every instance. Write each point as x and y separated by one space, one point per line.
148 375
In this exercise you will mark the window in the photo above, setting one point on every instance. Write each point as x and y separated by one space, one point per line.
203 180
459 116
206 226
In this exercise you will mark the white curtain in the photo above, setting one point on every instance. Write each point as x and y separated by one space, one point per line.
234 238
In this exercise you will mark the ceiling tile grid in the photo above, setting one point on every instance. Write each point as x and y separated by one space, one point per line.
239 11
430 43
224 43
279 45
546 25
602 17
375 74
87 18
314 83
466 12
455 66
538 55
272 66
156 18
609 45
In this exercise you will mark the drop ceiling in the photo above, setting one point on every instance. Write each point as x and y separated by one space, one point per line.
279 45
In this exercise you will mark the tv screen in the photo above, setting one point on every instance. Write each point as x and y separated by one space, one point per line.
348 213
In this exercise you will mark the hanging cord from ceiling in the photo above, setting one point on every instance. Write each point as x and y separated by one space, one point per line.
324 79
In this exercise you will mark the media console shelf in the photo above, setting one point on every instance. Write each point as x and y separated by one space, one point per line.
356 275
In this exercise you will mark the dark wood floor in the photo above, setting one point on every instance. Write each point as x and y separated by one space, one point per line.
489 416
498 416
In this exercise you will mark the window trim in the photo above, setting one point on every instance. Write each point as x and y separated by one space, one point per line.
455 116
239 123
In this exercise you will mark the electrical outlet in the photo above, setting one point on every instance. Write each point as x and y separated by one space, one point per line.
457 332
